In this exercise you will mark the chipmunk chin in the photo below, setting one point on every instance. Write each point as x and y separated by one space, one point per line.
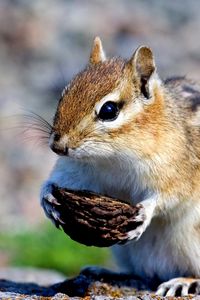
79 154
83 153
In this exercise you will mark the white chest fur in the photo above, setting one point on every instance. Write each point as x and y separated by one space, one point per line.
165 250
168 248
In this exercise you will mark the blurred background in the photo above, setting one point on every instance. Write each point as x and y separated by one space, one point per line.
42 45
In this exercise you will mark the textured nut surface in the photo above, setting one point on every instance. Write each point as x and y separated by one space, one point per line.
94 220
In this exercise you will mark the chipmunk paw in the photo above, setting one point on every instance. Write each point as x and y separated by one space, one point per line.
179 287
142 220
49 204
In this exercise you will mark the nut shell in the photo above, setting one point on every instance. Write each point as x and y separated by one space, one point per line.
94 220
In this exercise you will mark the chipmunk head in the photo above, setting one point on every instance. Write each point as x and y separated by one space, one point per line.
105 109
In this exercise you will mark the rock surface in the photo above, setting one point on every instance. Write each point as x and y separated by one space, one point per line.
80 287
98 291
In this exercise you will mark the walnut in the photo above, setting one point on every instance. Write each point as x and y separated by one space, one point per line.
94 220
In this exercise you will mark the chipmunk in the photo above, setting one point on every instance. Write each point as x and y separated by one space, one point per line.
120 130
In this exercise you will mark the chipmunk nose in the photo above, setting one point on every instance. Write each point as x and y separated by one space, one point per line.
57 145
60 150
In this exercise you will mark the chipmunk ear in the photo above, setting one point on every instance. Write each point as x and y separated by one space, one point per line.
143 66
97 54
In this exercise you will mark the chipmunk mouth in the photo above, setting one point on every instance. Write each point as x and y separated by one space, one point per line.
92 152
86 150
80 153
73 153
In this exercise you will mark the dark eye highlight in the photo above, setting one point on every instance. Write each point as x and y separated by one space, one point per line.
109 111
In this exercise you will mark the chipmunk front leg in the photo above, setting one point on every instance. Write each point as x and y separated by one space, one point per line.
179 287
49 203
69 174
144 217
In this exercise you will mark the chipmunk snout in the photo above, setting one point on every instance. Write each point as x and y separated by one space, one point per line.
60 150
57 145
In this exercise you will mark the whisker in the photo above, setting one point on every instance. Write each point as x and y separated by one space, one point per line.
34 127
33 115
36 140
37 120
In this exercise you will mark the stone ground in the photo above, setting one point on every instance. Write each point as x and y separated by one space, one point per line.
77 288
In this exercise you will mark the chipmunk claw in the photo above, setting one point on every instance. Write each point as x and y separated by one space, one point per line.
49 204
56 216
51 199
179 287
142 220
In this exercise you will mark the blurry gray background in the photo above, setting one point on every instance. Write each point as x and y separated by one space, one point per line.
42 45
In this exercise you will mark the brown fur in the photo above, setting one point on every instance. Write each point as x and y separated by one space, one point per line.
161 130
85 90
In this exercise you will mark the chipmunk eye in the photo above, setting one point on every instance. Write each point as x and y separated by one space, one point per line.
109 111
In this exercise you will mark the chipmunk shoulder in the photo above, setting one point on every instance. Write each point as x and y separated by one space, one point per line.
122 131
